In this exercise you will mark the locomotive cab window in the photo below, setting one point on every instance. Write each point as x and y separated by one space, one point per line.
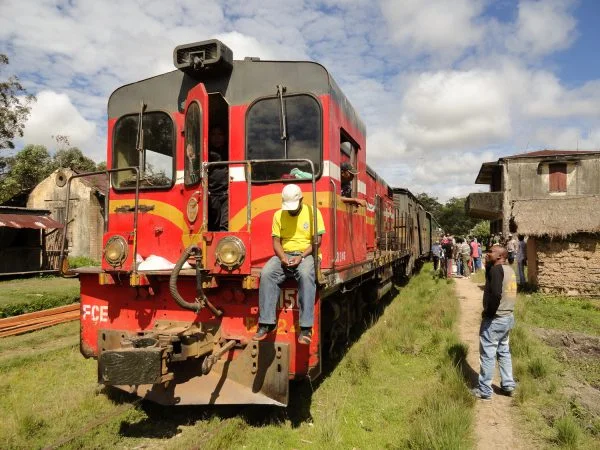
193 141
155 160
280 129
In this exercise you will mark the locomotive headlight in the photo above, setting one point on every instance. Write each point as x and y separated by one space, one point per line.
230 252
115 251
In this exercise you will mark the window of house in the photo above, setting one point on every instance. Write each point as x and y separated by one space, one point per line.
155 160
558 177
192 144
300 117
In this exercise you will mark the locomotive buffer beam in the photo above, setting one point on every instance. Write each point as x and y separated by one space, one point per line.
174 365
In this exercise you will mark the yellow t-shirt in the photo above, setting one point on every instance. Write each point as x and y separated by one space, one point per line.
296 231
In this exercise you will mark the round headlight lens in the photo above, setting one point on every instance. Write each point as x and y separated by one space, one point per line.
230 252
115 251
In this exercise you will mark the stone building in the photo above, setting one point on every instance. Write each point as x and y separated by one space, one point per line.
86 216
553 197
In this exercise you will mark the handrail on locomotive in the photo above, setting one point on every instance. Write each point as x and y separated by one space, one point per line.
205 167
108 173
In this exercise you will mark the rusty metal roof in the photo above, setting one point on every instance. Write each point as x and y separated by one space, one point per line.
546 153
27 218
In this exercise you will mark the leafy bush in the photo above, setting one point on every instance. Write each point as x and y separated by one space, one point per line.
82 261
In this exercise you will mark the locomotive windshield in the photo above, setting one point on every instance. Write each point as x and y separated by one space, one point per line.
156 158
302 138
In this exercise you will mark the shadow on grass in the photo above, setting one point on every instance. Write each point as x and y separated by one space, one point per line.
458 354
526 288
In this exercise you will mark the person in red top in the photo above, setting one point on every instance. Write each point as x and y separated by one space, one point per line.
475 260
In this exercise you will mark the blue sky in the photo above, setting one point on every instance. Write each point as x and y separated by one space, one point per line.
443 85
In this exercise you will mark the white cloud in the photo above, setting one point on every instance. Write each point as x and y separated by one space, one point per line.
543 27
54 114
439 27
568 138
451 109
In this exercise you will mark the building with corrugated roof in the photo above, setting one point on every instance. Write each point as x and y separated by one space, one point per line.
553 197
23 236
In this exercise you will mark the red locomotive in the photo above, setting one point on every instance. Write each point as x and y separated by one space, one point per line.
183 334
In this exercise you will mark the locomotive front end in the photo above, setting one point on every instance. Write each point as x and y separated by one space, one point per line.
171 312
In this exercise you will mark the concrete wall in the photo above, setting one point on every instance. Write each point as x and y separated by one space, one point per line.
87 226
569 266
526 181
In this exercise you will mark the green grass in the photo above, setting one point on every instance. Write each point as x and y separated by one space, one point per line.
34 294
562 313
82 261
550 414
398 386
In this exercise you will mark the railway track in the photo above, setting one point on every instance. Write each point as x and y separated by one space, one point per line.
24 323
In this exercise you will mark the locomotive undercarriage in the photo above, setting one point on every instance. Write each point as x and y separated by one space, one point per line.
348 308
179 363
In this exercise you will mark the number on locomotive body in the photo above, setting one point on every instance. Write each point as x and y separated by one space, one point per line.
288 298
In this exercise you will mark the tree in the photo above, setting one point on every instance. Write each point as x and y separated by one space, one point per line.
453 218
13 110
25 170
101 165
430 204
74 159
481 231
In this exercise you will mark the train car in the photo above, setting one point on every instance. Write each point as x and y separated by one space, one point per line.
409 229
171 312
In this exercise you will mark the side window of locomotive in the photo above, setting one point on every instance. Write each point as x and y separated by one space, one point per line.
155 161
264 130
192 144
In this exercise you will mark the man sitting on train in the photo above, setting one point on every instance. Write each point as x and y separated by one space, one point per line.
292 233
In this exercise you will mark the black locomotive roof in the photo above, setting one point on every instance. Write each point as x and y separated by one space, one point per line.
247 81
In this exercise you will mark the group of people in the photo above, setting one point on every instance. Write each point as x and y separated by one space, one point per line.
456 256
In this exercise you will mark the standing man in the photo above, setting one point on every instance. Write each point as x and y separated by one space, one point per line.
475 255
292 233
512 248
499 296
448 249
465 256
521 259
436 249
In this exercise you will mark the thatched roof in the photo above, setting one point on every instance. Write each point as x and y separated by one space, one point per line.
559 216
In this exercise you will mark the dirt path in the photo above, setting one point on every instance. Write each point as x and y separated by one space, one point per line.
494 427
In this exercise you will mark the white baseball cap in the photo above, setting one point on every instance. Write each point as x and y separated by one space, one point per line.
291 196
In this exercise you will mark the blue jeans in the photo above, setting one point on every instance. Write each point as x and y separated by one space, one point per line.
493 342
476 264
272 275
521 268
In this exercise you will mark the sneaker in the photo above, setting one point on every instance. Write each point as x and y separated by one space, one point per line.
305 337
262 332
478 394
508 391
